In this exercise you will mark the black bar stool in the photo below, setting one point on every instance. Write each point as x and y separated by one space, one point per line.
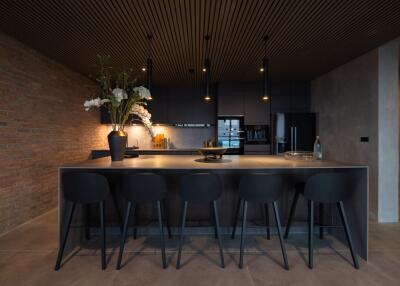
84 188
143 188
200 188
328 188
299 190
259 188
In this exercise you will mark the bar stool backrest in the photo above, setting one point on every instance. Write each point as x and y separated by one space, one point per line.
200 187
142 187
327 187
260 187
85 188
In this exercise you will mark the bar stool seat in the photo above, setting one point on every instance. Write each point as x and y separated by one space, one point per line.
83 188
200 188
328 188
259 188
143 188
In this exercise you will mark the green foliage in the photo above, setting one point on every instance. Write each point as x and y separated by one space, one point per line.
118 108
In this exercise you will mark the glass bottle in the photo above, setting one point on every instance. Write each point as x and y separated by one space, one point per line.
317 149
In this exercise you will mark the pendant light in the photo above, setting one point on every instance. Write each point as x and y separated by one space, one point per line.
207 71
265 70
149 65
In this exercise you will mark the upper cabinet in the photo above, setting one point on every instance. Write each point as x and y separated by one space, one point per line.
230 99
243 99
291 97
180 106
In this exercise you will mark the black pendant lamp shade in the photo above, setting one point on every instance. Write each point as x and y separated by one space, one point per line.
207 70
150 66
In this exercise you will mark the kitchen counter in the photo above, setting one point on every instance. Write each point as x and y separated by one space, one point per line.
230 169
133 152
185 162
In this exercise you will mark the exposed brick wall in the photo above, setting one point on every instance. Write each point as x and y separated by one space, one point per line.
42 125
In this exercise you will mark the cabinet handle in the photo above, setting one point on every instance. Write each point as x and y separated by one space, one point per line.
291 138
295 138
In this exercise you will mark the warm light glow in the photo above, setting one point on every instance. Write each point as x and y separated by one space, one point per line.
150 98
261 69
204 69
207 98
144 69
265 98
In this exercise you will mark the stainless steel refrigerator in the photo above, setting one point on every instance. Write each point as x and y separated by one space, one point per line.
293 132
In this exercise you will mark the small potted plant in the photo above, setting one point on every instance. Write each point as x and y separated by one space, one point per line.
120 95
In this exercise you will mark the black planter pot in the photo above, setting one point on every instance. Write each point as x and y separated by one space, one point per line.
117 143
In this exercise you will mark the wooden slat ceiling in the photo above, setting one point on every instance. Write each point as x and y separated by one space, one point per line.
306 38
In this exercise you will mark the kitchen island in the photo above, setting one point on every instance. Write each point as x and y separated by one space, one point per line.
230 168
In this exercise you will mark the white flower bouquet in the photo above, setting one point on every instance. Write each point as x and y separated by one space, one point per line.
120 95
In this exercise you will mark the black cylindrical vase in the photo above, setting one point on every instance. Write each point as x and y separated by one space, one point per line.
117 143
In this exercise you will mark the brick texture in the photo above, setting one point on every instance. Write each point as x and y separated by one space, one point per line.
42 126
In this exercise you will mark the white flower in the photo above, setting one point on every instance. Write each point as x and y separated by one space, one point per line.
97 102
145 116
143 92
119 94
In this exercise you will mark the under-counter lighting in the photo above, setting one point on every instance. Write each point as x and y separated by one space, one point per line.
265 98
143 69
261 69
207 98
204 69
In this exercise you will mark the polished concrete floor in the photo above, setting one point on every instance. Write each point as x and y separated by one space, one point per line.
27 257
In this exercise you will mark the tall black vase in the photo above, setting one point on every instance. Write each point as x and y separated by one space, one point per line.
117 143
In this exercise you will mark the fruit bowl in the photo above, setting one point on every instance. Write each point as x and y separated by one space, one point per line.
212 153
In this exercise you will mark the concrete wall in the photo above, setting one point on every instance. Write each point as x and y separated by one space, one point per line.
388 126
361 99
345 100
42 125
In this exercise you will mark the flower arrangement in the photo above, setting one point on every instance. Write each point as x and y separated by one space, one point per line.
120 95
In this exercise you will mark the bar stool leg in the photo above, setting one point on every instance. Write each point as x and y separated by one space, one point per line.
291 213
135 221
87 221
64 238
103 237
321 220
124 231
267 221
161 234
348 235
278 226
242 237
178 262
221 253
236 218
165 212
310 234
215 222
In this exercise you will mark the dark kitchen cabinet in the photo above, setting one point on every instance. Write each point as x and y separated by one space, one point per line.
230 99
256 110
243 99
291 97
187 105
158 107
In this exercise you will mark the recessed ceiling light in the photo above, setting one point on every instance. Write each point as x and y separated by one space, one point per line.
144 69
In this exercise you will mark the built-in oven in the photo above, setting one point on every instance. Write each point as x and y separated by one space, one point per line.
257 134
231 134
